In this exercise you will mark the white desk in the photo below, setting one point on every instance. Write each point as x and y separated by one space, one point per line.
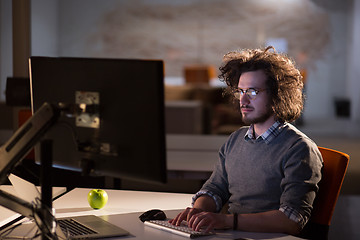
75 202
138 230
124 208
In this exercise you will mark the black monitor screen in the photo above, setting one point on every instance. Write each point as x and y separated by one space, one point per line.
121 133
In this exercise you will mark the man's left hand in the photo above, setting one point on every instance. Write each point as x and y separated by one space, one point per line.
210 221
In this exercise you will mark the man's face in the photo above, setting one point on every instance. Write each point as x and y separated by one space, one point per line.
257 110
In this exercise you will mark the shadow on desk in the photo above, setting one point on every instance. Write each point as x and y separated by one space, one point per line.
72 210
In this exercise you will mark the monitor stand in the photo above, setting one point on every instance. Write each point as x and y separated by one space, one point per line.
48 223
13 151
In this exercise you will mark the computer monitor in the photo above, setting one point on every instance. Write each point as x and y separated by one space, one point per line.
121 133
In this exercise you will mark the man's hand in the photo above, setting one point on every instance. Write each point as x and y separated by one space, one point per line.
198 219
185 216
203 203
202 215
210 221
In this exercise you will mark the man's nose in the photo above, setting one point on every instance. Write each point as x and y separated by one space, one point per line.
244 99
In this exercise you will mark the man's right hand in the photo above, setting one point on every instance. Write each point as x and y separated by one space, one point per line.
185 215
203 203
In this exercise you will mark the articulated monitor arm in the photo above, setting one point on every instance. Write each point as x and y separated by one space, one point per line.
16 204
86 110
14 150
42 215
26 137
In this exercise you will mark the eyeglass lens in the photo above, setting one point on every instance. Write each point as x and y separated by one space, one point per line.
251 93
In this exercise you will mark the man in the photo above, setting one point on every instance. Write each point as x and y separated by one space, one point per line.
267 173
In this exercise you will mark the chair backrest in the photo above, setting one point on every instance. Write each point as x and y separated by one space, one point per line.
335 165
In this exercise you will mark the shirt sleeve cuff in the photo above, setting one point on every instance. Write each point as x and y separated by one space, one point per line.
215 197
294 215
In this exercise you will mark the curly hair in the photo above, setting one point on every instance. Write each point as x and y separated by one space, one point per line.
284 81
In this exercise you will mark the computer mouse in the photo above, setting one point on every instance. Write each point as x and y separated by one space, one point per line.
154 214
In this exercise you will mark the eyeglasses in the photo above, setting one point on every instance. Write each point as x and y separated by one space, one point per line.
251 93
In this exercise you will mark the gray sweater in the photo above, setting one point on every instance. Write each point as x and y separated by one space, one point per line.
255 176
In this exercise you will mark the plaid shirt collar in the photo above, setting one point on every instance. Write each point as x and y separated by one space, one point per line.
267 136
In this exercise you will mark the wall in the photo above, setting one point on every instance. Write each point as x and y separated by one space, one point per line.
353 62
327 79
191 31
45 28
5 45
188 32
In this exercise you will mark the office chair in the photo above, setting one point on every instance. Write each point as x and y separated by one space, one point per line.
333 173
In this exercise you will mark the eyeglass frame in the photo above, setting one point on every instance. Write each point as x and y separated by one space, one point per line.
242 91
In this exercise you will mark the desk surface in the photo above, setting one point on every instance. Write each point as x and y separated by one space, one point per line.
124 208
138 230
75 202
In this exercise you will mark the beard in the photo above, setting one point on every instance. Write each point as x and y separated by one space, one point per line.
258 117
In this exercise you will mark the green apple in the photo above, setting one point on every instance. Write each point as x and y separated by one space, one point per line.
97 198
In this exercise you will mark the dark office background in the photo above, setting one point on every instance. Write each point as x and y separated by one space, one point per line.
320 35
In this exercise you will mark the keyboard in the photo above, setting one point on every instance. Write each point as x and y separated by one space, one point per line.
182 230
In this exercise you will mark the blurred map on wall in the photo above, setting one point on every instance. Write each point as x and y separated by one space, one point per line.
202 31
